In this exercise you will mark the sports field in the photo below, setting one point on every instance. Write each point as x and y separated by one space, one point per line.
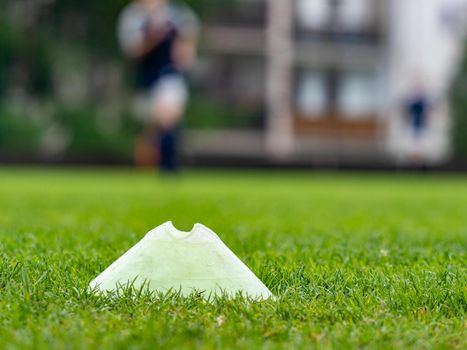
355 260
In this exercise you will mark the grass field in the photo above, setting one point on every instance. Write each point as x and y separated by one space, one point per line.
355 260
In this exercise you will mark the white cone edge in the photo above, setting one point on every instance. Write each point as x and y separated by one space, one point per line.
167 259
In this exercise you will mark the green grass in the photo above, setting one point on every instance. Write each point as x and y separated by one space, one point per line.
355 260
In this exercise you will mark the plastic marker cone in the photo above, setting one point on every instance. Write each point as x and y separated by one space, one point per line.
169 259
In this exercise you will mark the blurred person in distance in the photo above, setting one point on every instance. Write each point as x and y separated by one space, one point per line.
417 110
160 39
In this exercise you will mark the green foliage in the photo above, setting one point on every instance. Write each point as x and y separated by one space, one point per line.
92 141
356 262
18 134
31 54
458 99
98 20
39 60
7 44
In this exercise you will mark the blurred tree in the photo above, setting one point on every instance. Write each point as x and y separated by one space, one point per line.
18 135
90 141
88 22
6 50
25 58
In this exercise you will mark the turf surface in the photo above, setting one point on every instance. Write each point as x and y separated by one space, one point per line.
355 260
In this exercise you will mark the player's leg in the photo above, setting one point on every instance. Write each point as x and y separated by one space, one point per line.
170 96
169 149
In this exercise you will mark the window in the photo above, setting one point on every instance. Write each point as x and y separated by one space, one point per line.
311 95
314 14
358 95
346 15
354 15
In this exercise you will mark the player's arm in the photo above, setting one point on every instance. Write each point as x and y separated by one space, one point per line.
185 48
185 51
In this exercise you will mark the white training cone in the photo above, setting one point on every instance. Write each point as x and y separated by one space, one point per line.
169 259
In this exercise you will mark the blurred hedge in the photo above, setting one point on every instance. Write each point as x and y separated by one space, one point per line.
18 134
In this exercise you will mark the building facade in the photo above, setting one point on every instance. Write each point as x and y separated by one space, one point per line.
328 79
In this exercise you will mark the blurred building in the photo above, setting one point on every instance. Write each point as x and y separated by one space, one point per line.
327 79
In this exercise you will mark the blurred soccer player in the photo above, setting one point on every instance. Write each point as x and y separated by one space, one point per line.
160 38
417 109
418 113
